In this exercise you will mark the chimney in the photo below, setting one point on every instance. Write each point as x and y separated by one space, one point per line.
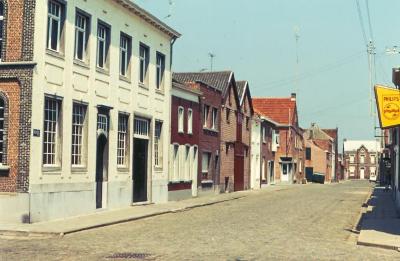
396 77
293 96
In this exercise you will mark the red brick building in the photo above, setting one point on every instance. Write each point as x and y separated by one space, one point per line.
222 152
185 129
247 112
289 158
16 70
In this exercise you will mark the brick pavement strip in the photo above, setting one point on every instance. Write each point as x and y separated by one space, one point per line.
311 222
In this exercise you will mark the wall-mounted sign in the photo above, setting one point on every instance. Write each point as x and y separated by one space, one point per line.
388 104
36 133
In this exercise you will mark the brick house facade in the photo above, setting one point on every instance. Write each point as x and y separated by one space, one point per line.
361 159
185 130
289 158
222 151
16 70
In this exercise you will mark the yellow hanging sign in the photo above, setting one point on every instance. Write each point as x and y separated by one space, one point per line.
388 104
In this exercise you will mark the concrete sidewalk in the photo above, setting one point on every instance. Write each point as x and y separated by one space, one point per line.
380 223
62 227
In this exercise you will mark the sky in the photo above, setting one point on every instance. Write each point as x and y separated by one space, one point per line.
256 39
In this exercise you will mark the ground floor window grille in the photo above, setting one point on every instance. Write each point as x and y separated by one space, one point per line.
51 131
78 134
122 140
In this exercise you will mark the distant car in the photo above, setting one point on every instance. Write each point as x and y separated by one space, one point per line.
372 177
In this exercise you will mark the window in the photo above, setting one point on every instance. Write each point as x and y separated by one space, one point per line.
125 55
160 70
123 141
2 131
372 159
180 119
264 134
351 158
102 122
205 159
144 62
158 148
187 173
82 27
228 115
141 128
206 110
247 123
103 44
175 160
51 133
362 158
190 121
1 27
308 153
78 134
214 124
55 25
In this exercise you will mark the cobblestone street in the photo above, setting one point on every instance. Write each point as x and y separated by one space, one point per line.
310 222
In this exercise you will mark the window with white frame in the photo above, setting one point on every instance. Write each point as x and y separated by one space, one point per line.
143 63
264 134
351 158
362 159
1 28
141 128
160 70
2 130
175 162
190 121
123 141
55 24
125 55
372 159
102 122
103 44
51 132
187 173
82 27
205 163
206 110
180 119
158 148
214 123
79 137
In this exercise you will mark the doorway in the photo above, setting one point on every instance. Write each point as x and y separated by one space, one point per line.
140 157
101 168
286 171
271 172
362 173
238 179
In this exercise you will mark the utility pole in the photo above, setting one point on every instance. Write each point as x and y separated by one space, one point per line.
371 58
297 38
212 56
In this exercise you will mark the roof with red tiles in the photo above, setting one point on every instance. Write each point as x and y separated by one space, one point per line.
333 133
277 109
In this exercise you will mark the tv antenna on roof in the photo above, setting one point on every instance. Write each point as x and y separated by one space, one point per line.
171 3
212 56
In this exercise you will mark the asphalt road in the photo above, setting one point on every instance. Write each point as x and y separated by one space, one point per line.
300 222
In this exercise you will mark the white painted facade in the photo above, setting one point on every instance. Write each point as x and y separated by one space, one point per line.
256 158
63 191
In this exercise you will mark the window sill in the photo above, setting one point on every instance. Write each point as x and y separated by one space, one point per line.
212 130
55 54
79 169
160 92
56 170
125 79
143 86
103 71
82 64
123 169
158 168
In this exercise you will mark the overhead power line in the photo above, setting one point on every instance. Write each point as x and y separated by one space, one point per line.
371 33
361 20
